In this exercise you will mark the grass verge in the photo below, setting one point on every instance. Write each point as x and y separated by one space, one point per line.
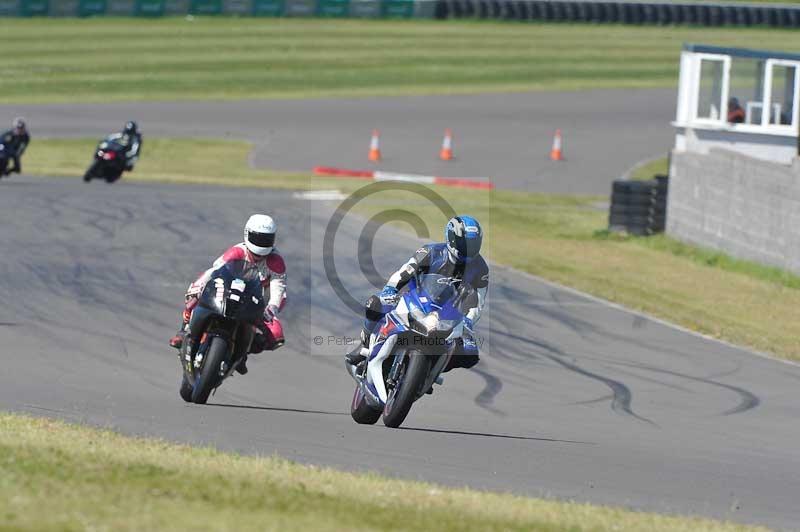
90 479
650 169
560 238
78 60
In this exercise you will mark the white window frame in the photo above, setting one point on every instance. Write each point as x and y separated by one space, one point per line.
726 75
768 74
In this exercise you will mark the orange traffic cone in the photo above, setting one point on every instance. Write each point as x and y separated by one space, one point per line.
555 152
446 154
374 146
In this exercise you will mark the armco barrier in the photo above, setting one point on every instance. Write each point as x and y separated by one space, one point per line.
593 11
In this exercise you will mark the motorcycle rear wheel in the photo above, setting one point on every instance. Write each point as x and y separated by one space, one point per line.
362 413
113 177
209 374
406 391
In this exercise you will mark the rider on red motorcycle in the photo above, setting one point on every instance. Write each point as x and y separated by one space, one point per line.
257 248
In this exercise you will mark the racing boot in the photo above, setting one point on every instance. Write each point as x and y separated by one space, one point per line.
241 367
177 340
358 355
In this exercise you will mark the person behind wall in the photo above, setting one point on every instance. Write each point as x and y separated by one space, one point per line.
736 113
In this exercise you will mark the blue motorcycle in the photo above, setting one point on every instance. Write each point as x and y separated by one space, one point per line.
409 350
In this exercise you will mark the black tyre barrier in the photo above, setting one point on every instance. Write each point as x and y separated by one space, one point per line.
496 9
663 14
468 8
744 17
614 12
585 11
715 16
621 12
649 15
522 9
624 198
631 210
441 10
509 10
537 11
624 219
632 186
639 207
556 11
595 11
544 10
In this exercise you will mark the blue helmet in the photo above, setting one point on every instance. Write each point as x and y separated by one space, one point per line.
463 235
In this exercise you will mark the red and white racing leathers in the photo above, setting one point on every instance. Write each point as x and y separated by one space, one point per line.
272 271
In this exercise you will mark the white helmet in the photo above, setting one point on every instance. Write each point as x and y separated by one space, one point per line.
259 234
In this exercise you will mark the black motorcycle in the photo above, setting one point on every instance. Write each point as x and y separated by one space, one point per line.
109 162
221 329
5 155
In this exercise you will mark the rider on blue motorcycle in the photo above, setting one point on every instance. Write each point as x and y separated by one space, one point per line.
458 258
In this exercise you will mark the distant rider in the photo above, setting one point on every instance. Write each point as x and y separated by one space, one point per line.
458 258
132 140
16 140
258 249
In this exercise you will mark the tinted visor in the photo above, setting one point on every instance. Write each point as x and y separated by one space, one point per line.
262 240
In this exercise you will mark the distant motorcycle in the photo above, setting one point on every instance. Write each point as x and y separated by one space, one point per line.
221 329
4 157
414 344
109 162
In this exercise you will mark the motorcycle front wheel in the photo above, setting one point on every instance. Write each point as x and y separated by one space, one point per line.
186 389
209 374
361 412
89 173
405 392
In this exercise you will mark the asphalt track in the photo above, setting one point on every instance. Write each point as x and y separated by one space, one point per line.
572 399
506 137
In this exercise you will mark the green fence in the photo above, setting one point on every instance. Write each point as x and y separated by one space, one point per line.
258 8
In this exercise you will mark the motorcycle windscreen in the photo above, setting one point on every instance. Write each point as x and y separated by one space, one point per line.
234 290
437 289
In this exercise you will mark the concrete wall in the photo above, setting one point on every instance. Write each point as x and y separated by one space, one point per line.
767 146
737 204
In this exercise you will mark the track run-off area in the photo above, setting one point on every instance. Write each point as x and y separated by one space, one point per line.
573 398
504 137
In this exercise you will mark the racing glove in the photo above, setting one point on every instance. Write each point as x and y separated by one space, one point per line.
388 296
270 313
469 324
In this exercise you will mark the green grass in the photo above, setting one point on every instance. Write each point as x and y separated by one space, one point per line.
560 238
108 59
57 476
650 169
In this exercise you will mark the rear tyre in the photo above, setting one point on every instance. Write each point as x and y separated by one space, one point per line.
209 374
405 393
186 389
362 413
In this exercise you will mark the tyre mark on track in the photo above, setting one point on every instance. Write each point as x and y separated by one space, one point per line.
485 399
622 397
748 400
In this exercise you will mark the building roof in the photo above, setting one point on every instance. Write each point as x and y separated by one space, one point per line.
740 52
